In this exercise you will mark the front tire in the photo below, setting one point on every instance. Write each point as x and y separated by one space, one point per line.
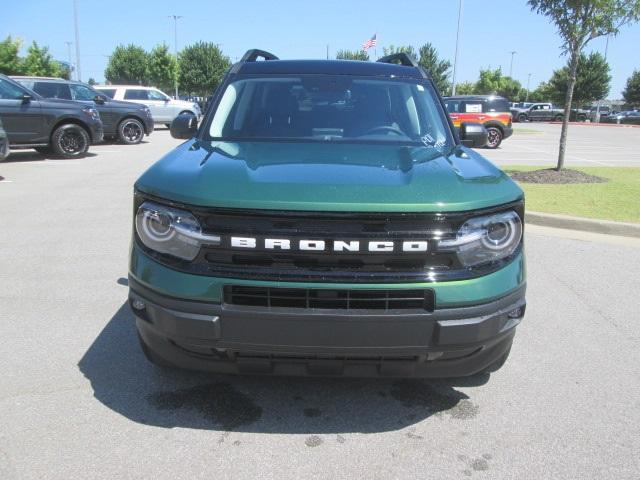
494 137
522 118
557 118
70 141
130 131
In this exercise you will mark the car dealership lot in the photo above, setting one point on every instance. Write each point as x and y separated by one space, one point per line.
78 400
587 145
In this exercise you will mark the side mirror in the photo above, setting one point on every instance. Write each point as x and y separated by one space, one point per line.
26 98
100 99
184 126
473 134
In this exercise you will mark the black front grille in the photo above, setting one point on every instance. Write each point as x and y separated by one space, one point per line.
332 298
226 261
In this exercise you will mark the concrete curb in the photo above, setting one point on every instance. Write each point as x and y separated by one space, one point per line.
585 224
591 124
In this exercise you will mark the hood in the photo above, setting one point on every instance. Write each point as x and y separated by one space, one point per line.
184 103
122 104
59 102
327 177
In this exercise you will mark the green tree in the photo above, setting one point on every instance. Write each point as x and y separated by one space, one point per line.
40 63
163 68
578 22
202 66
592 81
65 70
10 62
352 55
128 64
439 69
542 93
465 88
493 82
92 81
631 92
408 49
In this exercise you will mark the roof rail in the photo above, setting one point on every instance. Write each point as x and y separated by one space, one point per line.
253 54
400 58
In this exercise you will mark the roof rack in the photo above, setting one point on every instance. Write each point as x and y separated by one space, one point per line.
253 54
400 58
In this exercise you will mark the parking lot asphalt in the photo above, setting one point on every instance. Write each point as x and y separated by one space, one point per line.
587 145
78 400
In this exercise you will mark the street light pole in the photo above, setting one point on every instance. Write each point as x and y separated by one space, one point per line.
455 57
528 81
70 62
511 64
75 21
175 43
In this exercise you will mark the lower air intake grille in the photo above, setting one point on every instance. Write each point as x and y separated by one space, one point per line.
339 299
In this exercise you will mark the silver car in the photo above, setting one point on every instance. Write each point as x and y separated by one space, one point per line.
163 108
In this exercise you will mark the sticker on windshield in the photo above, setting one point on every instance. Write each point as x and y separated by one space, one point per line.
420 88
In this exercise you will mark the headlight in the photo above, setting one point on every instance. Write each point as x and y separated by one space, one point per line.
171 231
486 239
92 112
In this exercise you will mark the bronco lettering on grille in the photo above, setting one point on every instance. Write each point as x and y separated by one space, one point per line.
373 246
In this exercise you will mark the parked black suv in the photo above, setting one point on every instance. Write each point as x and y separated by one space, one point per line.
125 121
61 127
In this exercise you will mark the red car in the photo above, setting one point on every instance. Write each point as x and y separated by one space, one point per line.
490 110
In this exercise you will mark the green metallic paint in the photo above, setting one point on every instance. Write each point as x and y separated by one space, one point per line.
448 294
327 176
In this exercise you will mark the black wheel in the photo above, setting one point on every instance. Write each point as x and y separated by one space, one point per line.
152 356
70 141
522 118
44 150
557 118
494 137
130 131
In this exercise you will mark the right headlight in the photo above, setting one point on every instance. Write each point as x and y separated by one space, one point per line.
485 239
171 231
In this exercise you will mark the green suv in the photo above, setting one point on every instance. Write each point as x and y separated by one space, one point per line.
326 219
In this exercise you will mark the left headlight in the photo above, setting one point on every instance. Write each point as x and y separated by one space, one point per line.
171 231
486 239
91 112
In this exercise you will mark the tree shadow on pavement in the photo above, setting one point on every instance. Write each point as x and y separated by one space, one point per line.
124 381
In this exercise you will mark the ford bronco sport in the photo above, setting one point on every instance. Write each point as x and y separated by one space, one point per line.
490 110
325 219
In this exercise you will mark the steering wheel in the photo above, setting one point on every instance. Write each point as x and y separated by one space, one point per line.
386 128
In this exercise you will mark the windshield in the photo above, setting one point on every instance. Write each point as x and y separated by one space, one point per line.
330 108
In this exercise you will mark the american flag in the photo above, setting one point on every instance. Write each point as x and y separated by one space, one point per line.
370 43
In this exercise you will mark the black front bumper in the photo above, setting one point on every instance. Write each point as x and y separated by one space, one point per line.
507 132
232 339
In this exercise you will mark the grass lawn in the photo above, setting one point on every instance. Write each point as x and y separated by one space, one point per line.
525 130
618 199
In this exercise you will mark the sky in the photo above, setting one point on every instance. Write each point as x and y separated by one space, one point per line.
301 29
